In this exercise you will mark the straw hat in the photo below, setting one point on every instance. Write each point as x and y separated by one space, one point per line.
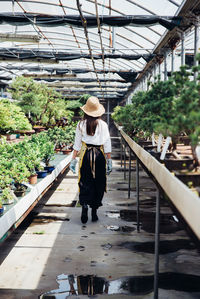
93 107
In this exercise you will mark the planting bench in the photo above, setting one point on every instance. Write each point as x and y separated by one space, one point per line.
15 213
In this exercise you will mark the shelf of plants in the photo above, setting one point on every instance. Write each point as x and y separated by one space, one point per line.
20 206
167 116
19 162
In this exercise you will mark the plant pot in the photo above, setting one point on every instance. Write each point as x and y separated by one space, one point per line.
20 193
49 168
57 150
10 136
178 164
66 152
189 178
42 174
1 210
33 179
185 140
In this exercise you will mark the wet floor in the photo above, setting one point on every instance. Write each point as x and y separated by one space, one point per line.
53 255
139 285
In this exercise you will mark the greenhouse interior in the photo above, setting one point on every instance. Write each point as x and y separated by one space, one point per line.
141 60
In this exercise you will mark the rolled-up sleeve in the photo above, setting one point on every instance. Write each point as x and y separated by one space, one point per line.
78 139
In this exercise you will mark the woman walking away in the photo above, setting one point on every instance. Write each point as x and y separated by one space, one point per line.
93 141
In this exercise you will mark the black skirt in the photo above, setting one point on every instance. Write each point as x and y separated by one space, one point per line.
92 184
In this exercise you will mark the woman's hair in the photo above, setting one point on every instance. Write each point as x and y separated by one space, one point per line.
91 123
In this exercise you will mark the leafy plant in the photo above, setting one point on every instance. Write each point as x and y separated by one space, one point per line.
6 196
12 118
43 105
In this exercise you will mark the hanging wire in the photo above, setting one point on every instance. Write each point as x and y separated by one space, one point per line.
101 42
84 23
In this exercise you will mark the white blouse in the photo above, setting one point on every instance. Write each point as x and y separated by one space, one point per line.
101 136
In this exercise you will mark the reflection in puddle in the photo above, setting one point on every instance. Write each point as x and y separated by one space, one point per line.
164 247
168 224
92 285
124 228
113 214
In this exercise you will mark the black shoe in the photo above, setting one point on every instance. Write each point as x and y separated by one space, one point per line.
84 214
94 215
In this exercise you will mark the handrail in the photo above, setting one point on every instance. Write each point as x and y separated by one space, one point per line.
185 200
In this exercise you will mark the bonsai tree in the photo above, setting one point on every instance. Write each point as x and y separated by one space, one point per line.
6 196
20 173
41 104
12 118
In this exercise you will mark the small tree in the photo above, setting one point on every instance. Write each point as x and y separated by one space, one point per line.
43 105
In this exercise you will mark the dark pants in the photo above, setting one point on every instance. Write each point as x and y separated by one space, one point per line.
92 188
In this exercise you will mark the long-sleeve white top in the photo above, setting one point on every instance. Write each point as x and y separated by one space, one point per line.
101 136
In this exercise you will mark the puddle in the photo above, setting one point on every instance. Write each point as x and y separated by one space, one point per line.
125 204
168 224
113 214
120 228
47 219
106 246
81 248
113 227
164 246
92 285
67 260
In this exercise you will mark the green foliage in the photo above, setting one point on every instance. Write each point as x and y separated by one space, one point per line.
43 105
62 137
83 99
169 107
6 196
12 118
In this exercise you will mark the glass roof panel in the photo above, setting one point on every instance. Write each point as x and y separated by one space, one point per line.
128 40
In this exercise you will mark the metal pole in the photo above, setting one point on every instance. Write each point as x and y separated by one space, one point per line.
183 48
137 195
196 46
129 174
159 69
121 149
157 239
165 67
172 61
113 39
108 113
124 160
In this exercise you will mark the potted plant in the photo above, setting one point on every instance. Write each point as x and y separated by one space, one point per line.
20 174
7 196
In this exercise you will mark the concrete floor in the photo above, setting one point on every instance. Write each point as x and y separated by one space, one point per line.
52 250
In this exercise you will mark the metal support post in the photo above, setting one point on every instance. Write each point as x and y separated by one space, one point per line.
196 46
157 240
121 150
124 161
113 39
183 48
159 69
129 174
137 195
165 67
108 113
172 61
